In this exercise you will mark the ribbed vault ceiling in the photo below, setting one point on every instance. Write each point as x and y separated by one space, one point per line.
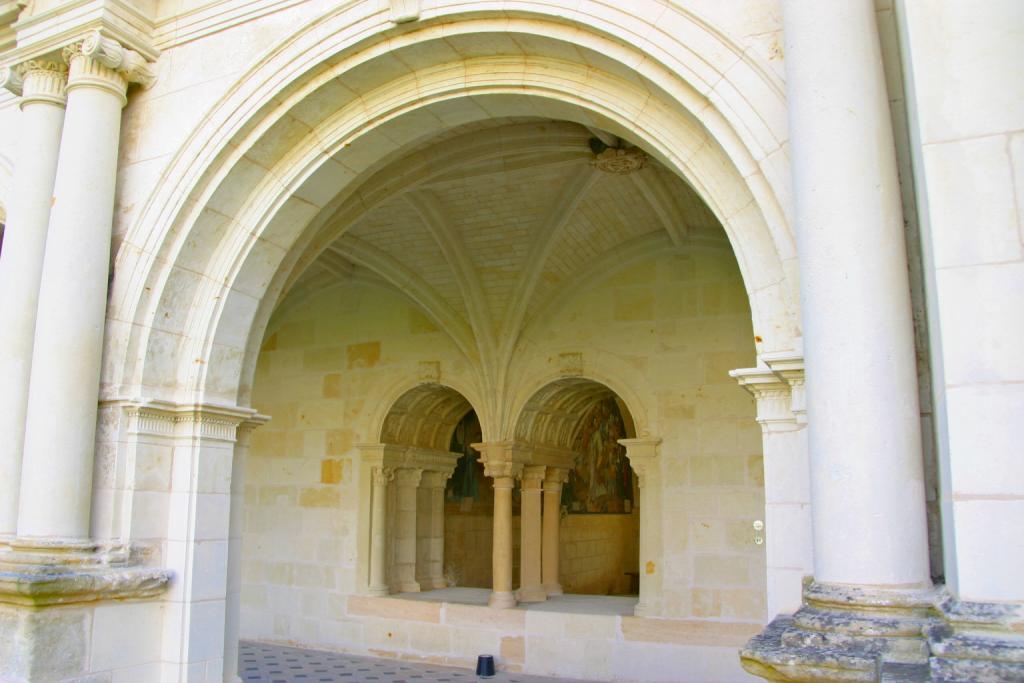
484 225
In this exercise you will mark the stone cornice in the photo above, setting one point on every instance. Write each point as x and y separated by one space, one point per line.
50 31
9 11
194 24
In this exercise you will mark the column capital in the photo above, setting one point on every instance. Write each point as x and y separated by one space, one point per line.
554 478
533 476
773 395
408 476
432 479
503 470
382 475
37 80
102 62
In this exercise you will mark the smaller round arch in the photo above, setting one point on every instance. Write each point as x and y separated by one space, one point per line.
555 414
425 417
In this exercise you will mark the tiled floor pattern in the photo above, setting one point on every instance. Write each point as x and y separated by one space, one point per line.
261 663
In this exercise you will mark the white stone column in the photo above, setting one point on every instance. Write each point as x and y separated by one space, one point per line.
530 588
378 530
867 483
407 481
643 458
554 478
63 392
430 531
40 84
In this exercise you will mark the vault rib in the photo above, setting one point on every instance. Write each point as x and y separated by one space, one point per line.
412 285
466 276
660 198
537 257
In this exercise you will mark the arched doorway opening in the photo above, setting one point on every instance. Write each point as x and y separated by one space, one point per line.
596 521
268 207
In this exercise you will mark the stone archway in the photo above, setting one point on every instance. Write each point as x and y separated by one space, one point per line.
591 422
259 200
408 469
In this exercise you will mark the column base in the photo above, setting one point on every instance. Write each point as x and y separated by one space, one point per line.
532 594
977 642
553 589
429 583
502 600
40 572
405 587
378 591
844 634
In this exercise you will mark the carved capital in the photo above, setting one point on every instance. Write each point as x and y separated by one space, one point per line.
408 476
533 477
102 62
37 80
434 480
555 478
382 475
503 470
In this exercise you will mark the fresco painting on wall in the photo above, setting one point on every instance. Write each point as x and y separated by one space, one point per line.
601 481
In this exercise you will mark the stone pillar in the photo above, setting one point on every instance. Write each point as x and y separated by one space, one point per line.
430 531
643 458
407 481
233 603
530 589
867 481
378 529
554 478
787 516
504 475
63 391
41 87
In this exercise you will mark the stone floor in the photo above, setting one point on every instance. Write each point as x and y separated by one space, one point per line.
262 663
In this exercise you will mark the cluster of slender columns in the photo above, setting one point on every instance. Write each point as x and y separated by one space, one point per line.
540 517
407 529
407 525
54 272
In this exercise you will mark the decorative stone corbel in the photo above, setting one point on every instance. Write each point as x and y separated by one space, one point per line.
404 11
643 457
